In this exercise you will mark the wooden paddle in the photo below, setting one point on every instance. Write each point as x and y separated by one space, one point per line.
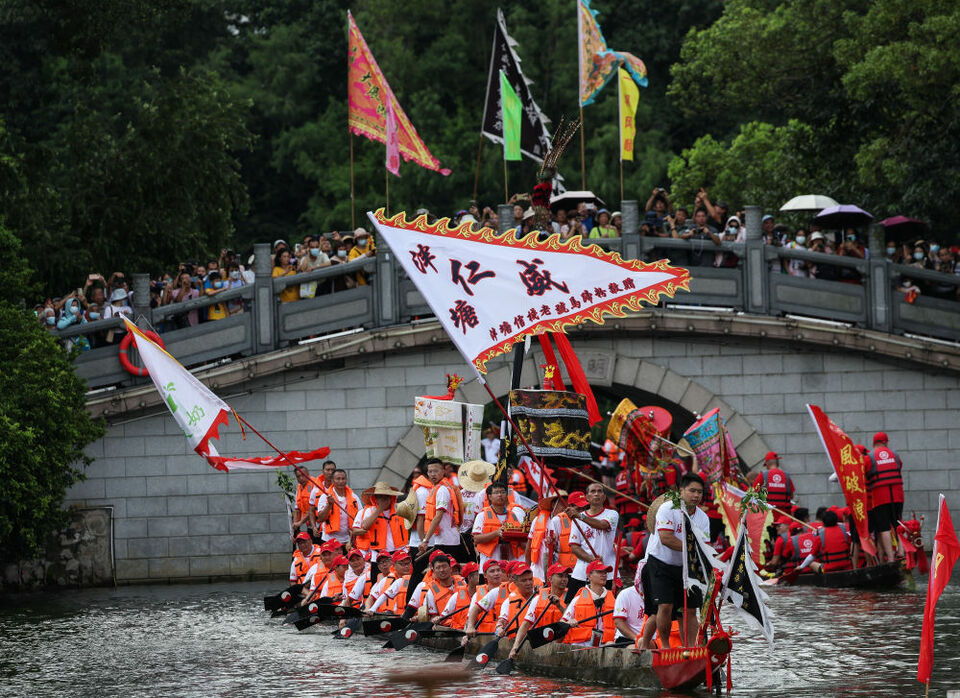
457 654
272 603
305 610
506 666
383 624
556 631
410 634
489 650
347 631
328 611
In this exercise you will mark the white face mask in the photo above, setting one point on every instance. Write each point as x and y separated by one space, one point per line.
341 253
801 239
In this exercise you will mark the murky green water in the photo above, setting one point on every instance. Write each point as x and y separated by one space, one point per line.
215 640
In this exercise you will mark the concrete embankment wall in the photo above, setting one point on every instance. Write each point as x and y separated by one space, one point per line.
176 518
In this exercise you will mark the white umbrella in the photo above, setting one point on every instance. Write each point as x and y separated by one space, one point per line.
808 202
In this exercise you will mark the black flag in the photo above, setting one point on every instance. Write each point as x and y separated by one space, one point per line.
698 559
741 587
534 137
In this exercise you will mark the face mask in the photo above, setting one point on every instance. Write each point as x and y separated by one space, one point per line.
94 315
733 229
852 238
218 284
234 275
314 251
194 279
362 242
918 256
891 250
51 320
801 239
341 253
934 248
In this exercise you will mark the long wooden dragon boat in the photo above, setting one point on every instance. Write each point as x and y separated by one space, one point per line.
624 667
885 576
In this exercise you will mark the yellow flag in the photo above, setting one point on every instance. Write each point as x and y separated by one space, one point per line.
629 95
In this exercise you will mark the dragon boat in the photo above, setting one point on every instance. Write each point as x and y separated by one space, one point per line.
888 575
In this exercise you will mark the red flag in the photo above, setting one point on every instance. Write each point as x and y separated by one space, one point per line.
946 550
849 466
729 498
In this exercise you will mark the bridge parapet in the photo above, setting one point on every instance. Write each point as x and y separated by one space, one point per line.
754 286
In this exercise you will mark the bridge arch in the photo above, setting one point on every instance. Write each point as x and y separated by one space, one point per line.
609 373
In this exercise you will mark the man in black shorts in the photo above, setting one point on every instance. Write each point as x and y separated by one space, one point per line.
885 484
662 575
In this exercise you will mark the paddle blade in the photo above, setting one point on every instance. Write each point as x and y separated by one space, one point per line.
456 655
538 637
307 621
505 667
486 652
379 626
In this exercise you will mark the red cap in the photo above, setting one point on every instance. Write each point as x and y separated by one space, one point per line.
340 560
438 553
863 449
356 552
880 436
521 568
845 511
796 527
578 499
557 568
490 563
330 546
598 566
771 455
504 565
303 535
469 569
401 555
782 520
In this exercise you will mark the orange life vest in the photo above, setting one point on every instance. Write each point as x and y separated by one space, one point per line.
351 586
514 603
552 614
302 563
334 585
398 603
586 608
488 622
491 522
303 499
518 483
539 530
376 537
441 594
332 524
567 558
462 602
456 516
675 639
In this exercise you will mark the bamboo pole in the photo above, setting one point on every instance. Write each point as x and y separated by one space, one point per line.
353 213
506 194
607 487
386 180
583 152
476 174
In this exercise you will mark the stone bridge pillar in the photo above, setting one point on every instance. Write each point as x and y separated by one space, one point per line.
263 304
755 266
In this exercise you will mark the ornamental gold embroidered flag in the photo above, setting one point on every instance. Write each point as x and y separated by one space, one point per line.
851 471
199 412
490 291
597 63
368 95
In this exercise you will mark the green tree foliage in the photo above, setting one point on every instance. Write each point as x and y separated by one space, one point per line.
44 425
868 87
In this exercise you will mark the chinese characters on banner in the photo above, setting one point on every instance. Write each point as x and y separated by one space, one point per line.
850 468
491 291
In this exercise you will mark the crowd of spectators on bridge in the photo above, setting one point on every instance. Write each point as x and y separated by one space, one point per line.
707 224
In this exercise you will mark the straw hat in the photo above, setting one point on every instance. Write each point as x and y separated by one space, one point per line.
408 509
380 487
652 512
474 475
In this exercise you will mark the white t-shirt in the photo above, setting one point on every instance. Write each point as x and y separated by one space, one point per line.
472 505
375 590
670 519
602 542
343 534
491 449
518 514
422 494
629 606
414 598
446 533
391 593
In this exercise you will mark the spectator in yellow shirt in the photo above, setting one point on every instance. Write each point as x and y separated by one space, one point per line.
363 247
283 266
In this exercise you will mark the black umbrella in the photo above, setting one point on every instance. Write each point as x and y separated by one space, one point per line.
901 228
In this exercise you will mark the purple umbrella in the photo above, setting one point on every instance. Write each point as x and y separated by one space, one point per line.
842 216
901 228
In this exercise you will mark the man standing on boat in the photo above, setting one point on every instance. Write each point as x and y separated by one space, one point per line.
780 489
665 562
885 488
592 537
337 508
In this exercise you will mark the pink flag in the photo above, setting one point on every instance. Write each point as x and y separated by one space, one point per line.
393 142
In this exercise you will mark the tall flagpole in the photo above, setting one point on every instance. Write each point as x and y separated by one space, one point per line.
583 150
353 212
386 179
506 194
476 176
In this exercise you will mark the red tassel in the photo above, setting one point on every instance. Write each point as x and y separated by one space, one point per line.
551 359
577 376
729 674
709 673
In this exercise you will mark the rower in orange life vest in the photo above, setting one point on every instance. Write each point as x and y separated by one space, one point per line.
488 527
337 508
454 614
484 620
433 595
317 573
505 612
547 607
885 487
361 597
358 574
394 598
779 486
333 585
593 535
378 526
307 495
590 601
834 545
304 557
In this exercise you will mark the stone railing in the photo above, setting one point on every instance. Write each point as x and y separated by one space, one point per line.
755 285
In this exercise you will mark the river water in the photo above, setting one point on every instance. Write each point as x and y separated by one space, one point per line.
216 640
